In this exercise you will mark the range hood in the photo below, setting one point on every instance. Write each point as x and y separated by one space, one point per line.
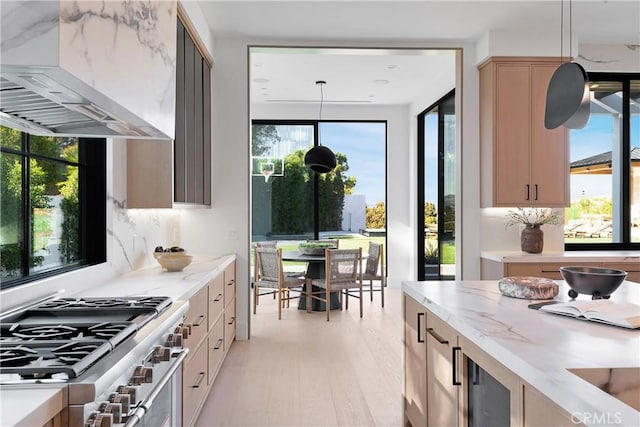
88 68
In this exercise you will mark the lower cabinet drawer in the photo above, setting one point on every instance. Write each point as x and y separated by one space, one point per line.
216 299
196 321
194 385
216 348
229 325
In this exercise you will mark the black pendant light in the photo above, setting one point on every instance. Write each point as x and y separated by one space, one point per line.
320 159
568 102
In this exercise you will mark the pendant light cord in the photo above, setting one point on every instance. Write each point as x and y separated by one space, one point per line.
321 83
561 31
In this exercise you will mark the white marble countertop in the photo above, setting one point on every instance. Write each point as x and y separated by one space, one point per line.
29 405
179 285
566 256
539 347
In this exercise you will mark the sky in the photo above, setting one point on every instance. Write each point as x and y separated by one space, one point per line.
364 145
595 138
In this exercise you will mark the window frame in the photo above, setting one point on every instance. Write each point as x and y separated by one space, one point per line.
625 185
92 197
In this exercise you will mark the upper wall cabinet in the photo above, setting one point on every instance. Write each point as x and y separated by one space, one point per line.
192 147
522 163
149 177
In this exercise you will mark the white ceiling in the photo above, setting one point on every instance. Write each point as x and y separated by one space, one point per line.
356 76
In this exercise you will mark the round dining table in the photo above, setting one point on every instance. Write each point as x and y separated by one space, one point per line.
315 270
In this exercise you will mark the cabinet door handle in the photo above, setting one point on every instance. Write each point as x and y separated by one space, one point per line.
436 336
454 365
201 376
527 193
535 192
218 345
217 298
476 374
201 319
231 321
420 339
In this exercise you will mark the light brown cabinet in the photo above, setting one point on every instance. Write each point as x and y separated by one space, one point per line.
415 364
61 419
149 174
494 269
540 411
230 306
210 330
522 162
440 369
443 395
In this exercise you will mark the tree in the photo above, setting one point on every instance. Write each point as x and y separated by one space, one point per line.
263 138
375 216
430 214
292 196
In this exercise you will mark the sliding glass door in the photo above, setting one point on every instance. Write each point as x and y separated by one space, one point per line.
436 190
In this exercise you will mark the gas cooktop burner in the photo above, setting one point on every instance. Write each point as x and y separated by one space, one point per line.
45 360
156 303
68 332
62 338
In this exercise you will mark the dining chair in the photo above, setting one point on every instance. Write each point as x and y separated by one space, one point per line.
374 270
343 272
270 275
263 244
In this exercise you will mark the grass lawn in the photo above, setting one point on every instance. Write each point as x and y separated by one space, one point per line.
347 241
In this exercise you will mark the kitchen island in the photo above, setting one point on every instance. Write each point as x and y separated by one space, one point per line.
529 351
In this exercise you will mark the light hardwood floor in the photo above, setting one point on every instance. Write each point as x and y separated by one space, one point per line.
305 371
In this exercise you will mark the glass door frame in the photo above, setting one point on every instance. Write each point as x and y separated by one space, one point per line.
421 186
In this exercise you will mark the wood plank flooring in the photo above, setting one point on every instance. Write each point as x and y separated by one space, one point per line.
305 371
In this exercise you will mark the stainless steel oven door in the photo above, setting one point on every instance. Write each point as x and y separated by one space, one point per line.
163 406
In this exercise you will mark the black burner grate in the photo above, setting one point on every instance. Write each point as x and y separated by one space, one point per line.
156 303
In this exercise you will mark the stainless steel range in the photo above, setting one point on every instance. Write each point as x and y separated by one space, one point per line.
118 356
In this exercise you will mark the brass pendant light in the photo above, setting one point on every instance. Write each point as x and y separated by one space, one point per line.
568 97
320 159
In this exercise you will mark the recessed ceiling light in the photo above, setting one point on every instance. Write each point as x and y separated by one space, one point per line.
381 82
392 67
260 80
371 96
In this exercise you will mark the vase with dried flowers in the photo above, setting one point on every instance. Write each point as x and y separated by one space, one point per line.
532 236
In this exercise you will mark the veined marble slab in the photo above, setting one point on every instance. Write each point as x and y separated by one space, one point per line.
125 50
540 347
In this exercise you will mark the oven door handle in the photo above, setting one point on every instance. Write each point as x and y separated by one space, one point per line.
137 415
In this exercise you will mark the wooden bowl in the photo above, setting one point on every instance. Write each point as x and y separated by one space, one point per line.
173 261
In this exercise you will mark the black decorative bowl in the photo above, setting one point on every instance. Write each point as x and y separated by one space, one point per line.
595 281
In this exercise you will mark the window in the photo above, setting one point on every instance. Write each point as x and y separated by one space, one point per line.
289 202
52 199
605 168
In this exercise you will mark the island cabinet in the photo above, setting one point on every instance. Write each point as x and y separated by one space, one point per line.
208 337
415 364
443 382
540 411
450 381
522 162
